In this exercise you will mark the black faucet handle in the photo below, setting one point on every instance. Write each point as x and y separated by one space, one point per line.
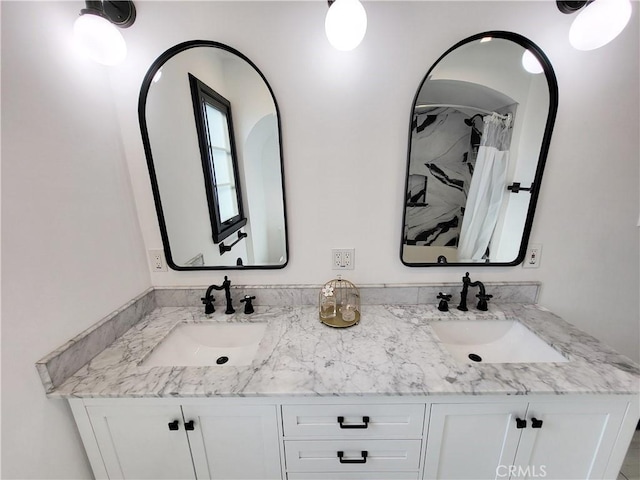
443 306
248 307
482 301
208 304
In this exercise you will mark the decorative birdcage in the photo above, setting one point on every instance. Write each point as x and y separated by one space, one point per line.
339 303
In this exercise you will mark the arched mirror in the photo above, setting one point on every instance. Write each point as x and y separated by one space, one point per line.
480 128
211 132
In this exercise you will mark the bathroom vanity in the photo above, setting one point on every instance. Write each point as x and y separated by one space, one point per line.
402 438
386 399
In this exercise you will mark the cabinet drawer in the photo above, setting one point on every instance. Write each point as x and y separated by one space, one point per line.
357 455
354 476
399 421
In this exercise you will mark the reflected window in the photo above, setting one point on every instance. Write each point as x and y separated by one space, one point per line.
219 161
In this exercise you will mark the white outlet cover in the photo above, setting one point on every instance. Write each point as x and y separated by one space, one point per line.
342 258
532 258
157 262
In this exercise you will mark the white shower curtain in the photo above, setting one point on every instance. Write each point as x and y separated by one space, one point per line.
486 189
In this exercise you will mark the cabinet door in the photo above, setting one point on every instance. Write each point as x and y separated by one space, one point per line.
136 443
573 442
234 442
470 441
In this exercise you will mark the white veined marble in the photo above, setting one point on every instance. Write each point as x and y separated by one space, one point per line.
56 367
392 351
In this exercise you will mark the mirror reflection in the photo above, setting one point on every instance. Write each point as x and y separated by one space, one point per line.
211 131
214 125
480 129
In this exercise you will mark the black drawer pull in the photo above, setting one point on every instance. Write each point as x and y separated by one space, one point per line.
535 423
520 423
174 425
189 425
364 424
364 455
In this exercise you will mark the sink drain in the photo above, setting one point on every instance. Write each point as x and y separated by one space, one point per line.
474 357
222 360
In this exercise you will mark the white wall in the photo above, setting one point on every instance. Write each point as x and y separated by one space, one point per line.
345 119
71 246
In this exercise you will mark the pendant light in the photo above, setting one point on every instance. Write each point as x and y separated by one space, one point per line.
598 23
345 24
96 33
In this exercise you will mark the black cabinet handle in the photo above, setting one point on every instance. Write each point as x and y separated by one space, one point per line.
190 425
364 455
535 423
173 425
520 423
516 188
364 424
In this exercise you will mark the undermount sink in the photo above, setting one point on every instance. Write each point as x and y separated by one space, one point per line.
494 341
208 344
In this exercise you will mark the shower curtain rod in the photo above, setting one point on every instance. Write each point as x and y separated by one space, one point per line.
460 107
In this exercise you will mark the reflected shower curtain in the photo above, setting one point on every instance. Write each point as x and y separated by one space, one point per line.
486 189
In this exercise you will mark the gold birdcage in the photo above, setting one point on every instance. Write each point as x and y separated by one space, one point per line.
339 303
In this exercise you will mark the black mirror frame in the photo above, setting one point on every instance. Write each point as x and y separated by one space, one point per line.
552 83
142 100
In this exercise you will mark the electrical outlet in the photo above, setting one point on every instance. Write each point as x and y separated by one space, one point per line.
532 258
156 261
343 258
336 258
347 259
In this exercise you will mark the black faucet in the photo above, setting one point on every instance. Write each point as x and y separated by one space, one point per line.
208 298
482 296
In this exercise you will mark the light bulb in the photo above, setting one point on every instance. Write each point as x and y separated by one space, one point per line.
345 24
599 23
531 63
99 39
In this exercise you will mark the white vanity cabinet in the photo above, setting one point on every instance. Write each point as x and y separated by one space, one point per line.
235 441
555 437
163 439
136 442
561 439
573 440
470 441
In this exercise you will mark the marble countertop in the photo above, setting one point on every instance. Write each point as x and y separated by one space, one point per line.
392 351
